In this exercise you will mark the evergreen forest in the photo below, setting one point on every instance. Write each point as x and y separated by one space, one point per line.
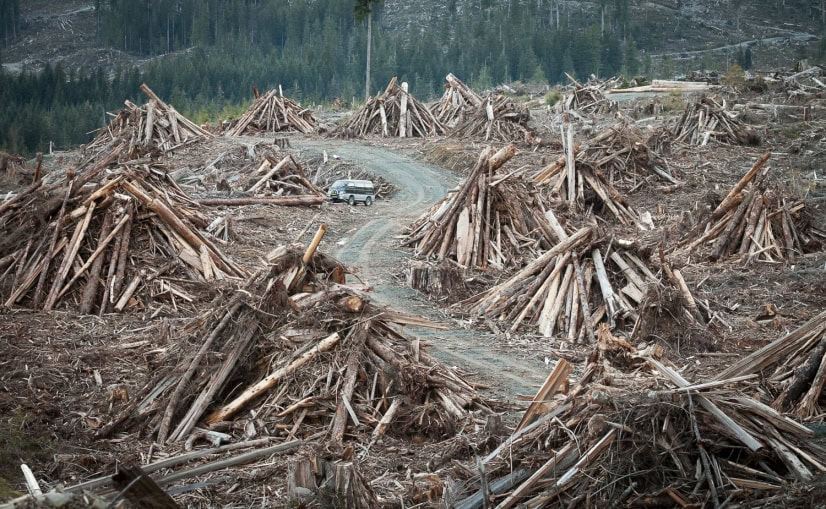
215 51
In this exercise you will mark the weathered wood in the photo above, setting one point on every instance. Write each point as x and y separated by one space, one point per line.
285 201
140 489
271 380
356 343
556 378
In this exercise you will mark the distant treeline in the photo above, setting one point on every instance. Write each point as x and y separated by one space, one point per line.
316 50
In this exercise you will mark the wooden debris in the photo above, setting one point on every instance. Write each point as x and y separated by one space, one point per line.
294 381
492 219
589 98
156 128
136 486
394 113
497 119
458 101
754 222
572 287
272 112
134 222
799 362
707 120
435 280
620 153
560 182
691 448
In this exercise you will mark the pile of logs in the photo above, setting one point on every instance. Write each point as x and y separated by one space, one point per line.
555 292
707 120
12 165
102 241
799 363
274 182
272 112
298 353
498 119
581 186
154 129
752 221
804 85
492 220
394 113
635 432
588 98
457 101
621 154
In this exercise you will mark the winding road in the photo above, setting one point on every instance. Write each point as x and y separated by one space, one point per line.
374 249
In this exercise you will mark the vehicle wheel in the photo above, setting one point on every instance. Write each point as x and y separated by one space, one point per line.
368 201
352 200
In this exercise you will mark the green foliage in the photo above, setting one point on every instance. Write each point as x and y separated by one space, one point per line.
538 77
364 7
744 58
735 77
17 444
6 491
218 49
483 80
9 19
674 101
553 97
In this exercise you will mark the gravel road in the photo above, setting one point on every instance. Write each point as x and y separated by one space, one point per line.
374 249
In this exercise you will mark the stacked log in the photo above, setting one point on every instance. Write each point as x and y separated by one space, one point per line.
103 241
309 357
457 101
752 221
676 443
394 113
621 154
583 188
575 285
491 220
272 112
707 120
498 119
799 363
154 129
588 98
13 167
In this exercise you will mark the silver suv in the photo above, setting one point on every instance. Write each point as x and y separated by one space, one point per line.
352 191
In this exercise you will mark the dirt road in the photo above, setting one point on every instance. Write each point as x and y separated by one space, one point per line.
374 249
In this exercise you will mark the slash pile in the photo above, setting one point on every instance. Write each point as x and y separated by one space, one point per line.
275 182
456 102
394 113
297 353
101 240
588 98
707 120
634 432
556 290
620 153
156 128
491 220
272 112
799 362
581 186
498 119
754 222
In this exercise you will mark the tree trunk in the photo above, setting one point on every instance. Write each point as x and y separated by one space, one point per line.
369 41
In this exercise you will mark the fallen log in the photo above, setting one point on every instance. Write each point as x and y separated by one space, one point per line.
264 200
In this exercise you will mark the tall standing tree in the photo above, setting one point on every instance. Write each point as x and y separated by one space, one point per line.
363 9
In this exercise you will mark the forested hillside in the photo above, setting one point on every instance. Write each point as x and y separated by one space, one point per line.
218 49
